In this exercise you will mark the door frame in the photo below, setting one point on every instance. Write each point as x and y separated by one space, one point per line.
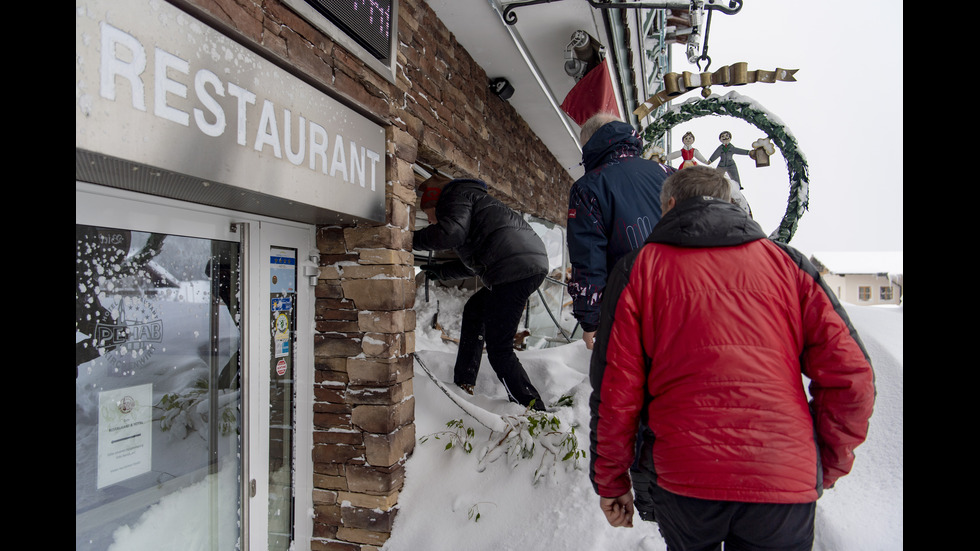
291 235
98 205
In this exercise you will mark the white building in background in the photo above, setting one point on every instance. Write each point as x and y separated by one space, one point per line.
863 278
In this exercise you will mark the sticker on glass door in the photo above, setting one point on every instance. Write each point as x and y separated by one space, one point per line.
282 294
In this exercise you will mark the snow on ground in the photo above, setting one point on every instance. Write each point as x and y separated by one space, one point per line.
452 500
445 490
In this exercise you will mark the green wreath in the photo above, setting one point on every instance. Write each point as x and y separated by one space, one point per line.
741 107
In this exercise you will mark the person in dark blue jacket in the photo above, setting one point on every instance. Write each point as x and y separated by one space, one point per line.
611 210
496 244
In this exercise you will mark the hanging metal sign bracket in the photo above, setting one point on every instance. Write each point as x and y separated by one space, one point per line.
729 7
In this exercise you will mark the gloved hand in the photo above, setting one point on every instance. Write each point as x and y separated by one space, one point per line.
432 271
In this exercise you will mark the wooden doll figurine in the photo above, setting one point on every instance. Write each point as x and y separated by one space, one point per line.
726 153
688 153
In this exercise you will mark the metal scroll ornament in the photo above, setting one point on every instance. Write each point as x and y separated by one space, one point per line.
730 7
745 108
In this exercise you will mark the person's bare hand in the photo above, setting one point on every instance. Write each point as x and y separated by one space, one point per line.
589 338
618 510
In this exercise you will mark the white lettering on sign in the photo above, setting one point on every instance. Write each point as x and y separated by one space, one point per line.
113 65
124 65
216 128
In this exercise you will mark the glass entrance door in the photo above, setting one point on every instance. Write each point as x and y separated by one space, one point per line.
281 460
157 386
186 430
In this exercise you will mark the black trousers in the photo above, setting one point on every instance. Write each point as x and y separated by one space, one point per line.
689 524
491 316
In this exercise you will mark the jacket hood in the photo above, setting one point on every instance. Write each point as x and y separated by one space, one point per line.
471 183
705 222
613 140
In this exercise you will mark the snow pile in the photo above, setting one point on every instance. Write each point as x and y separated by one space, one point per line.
445 490
452 500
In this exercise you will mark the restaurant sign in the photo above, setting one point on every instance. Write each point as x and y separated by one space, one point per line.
156 87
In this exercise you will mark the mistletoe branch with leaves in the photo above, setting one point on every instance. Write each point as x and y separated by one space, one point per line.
523 435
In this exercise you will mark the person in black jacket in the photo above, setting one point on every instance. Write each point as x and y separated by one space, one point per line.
496 244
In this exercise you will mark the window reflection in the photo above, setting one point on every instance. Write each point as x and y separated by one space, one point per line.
156 389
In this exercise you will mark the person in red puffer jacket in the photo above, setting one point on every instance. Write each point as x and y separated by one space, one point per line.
706 333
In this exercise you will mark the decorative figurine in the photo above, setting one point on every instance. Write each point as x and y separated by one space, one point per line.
737 197
688 153
761 150
726 153
655 153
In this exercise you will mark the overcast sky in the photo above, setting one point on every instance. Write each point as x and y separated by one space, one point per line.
845 110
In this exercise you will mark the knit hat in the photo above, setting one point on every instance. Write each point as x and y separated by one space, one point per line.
431 189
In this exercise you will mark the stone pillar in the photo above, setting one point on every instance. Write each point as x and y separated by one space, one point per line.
364 407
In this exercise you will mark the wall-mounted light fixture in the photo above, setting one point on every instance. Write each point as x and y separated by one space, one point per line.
581 54
501 88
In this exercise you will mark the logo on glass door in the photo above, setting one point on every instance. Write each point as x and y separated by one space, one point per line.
135 327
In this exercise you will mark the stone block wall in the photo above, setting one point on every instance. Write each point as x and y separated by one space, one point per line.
438 111
444 103
364 406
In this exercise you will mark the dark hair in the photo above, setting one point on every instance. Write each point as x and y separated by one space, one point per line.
696 181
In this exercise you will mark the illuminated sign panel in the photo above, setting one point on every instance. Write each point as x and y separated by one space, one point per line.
369 22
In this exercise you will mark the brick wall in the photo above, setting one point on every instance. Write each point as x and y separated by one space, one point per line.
440 112
446 106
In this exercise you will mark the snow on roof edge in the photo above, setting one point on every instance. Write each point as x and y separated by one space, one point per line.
861 262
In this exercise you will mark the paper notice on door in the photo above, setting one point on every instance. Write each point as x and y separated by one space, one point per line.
125 433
